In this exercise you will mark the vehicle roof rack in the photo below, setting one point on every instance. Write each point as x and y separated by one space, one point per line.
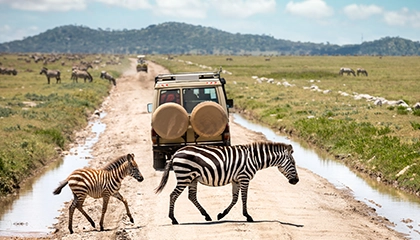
192 76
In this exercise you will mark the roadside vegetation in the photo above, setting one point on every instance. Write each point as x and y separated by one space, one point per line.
307 99
38 120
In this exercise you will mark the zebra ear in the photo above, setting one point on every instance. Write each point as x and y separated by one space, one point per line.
290 148
130 156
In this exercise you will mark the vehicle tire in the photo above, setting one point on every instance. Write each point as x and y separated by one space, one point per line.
208 119
170 121
159 160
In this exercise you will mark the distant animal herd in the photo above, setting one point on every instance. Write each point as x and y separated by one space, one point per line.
349 71
78 71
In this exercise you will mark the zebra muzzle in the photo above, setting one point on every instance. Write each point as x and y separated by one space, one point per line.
293 181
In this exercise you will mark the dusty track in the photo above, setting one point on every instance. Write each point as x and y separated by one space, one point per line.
312 209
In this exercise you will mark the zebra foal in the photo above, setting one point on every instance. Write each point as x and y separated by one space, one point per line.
219 166
102 183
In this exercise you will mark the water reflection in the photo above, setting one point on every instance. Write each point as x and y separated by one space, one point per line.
400 208
33 210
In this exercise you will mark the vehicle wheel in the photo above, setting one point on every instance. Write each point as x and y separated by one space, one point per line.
170 120
159 160
208 119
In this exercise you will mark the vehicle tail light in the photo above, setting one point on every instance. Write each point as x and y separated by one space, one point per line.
226 133
154 137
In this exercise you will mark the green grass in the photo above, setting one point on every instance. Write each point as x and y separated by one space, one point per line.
37 119
380 141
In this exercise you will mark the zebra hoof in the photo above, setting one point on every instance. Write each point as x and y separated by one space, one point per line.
220 216
174 222
249 219
208 218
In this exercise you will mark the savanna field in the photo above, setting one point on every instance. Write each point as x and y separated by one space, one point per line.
303 96
37 119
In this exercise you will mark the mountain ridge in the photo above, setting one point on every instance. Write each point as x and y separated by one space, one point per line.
182 38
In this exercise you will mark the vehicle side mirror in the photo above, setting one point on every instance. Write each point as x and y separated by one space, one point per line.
149 107
229 103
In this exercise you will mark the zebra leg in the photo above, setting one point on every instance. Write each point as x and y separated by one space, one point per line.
235 194
192 196
244 195
122 199
104 208
78 203
174 195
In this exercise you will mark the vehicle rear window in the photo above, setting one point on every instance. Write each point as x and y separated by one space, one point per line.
194 96
169 96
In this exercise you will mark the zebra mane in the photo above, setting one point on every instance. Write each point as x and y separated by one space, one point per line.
266 143
118 162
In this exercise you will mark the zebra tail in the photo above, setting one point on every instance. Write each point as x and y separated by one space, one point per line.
58 189
165 177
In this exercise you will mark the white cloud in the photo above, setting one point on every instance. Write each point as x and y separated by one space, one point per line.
315 9
130 4
403 18
7 33
355 11
46 5
181 8
243 8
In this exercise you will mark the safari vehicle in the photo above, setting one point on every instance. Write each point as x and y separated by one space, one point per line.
141 63
188 109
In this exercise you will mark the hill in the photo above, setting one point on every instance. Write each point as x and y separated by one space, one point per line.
182 38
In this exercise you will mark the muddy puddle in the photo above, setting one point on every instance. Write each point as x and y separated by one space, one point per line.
400 208
33 210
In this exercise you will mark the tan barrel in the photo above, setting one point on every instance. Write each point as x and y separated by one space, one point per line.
208 119
170 120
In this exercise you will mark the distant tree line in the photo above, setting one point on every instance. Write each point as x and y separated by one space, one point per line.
181 38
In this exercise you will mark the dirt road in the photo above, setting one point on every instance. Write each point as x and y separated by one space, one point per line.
312 209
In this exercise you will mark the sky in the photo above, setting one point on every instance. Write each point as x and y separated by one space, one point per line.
318 21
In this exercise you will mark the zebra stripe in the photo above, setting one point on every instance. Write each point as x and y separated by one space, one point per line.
219 166
102 183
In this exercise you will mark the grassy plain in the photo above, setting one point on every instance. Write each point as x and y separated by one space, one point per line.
381 141
37 120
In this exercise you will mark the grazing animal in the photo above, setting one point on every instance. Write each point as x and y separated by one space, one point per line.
102 183
75 74
8 71
346 70
51 74
105 75
82 67
362 71
219 166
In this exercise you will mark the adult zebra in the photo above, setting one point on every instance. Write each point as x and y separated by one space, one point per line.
75 74
109 77
102 183
346 70
362 71
219 166
51 74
